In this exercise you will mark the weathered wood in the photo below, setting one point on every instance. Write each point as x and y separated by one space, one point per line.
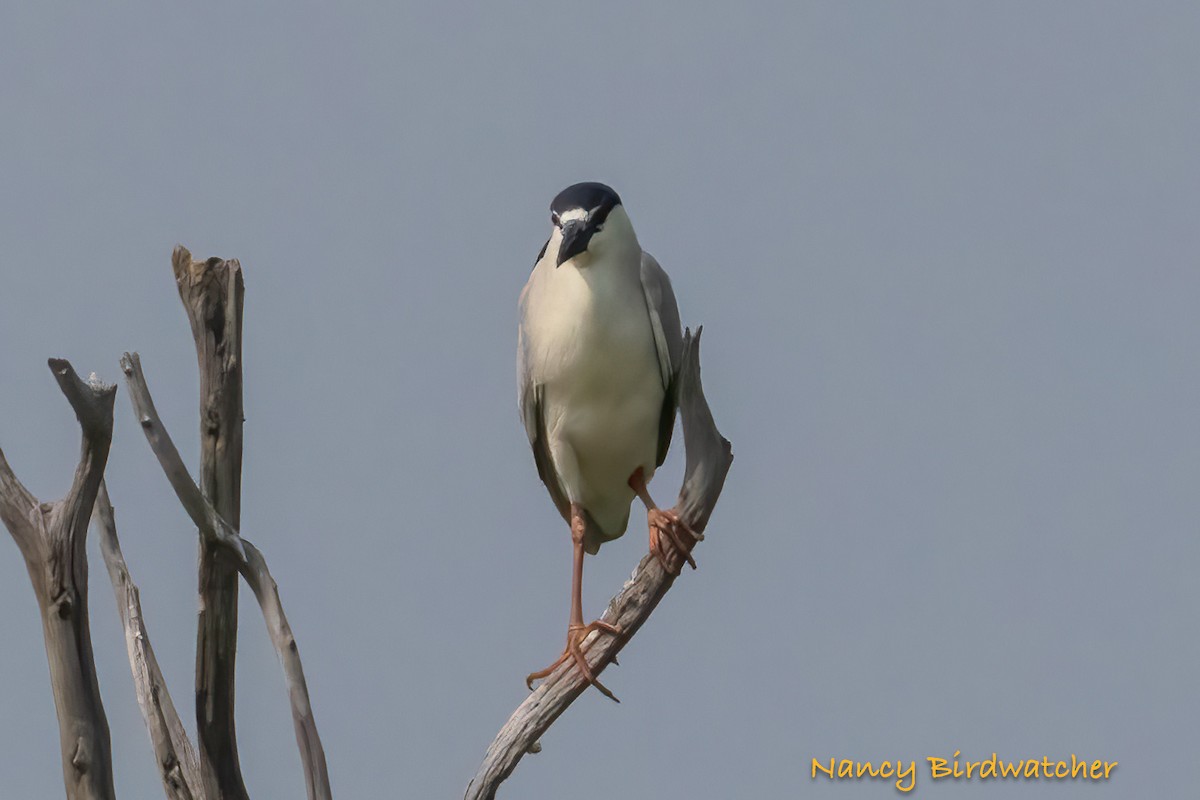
52 538
709 457
212 293
178 765
218 534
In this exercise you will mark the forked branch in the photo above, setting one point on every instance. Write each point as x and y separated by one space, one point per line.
53 539
217 533
709 457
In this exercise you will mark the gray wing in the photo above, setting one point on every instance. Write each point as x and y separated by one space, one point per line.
668 343
529 399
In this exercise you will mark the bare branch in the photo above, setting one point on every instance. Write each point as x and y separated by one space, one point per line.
211 526
178 765
53 538
93 405
17 505
217 532
709 457
212 293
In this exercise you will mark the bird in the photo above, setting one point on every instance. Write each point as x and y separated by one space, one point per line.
598 357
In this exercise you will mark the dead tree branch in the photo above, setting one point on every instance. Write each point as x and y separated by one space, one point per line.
52 538
212 292
709 457
178 765
218 535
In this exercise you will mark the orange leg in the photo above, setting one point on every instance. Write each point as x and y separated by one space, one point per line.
576 630
664 523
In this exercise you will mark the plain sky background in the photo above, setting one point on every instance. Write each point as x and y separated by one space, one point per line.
946 256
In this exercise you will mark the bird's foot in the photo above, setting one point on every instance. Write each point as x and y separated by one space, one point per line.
666 524
574 650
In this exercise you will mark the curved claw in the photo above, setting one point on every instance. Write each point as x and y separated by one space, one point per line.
669 523
586 671
574 651
545 673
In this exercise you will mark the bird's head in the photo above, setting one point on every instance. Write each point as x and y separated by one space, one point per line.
589 220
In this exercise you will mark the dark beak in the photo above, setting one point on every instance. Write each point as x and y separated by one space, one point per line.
575 237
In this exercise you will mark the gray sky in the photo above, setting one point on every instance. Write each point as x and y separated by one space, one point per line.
946 259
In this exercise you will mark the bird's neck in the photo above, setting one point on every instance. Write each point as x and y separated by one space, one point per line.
621 226
620 242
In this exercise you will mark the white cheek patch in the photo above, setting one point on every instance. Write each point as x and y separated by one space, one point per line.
573 215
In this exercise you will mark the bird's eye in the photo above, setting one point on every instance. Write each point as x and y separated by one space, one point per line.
554 218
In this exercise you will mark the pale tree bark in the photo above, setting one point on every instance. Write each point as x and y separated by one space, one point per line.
52 538
709 457
178 765
212 292
222 537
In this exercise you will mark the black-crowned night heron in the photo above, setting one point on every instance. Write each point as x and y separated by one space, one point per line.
597 367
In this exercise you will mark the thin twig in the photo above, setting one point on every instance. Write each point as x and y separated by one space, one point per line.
709 457
215 530
178 764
